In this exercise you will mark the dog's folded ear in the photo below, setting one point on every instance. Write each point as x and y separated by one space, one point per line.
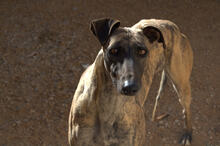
153 34
103 28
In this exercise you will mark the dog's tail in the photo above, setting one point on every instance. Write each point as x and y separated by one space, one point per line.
162 83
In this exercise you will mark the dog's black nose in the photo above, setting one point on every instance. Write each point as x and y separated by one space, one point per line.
129 88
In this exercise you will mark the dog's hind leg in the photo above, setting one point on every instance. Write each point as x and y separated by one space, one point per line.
184 93
162 83
179 70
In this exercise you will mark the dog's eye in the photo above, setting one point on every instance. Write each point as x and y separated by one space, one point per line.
142 52
114 51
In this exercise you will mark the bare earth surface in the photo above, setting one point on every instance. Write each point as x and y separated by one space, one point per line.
45 45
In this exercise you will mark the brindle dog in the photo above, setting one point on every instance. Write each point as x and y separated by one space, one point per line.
107 108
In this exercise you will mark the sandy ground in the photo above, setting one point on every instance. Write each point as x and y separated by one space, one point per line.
45 44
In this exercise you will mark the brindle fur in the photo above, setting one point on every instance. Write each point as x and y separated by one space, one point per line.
101 116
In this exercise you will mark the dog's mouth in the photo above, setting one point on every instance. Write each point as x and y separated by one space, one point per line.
129 94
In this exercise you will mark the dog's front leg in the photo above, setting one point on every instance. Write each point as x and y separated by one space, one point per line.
82 122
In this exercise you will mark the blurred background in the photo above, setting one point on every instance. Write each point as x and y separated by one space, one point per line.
45 46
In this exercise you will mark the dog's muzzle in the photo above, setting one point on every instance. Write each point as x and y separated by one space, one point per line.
129 88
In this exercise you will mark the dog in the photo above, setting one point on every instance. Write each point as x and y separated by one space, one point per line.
107 107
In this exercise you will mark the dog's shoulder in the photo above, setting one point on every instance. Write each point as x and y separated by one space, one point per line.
88 82
87 89
83 108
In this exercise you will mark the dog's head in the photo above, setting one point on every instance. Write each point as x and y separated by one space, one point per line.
126 50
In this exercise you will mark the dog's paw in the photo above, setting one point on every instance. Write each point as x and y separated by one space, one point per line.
186 139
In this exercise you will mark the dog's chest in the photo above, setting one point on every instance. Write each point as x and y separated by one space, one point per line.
111 103
118 117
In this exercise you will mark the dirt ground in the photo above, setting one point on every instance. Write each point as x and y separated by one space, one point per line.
45 45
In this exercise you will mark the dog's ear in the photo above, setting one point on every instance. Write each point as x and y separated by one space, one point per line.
103 28
153 34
